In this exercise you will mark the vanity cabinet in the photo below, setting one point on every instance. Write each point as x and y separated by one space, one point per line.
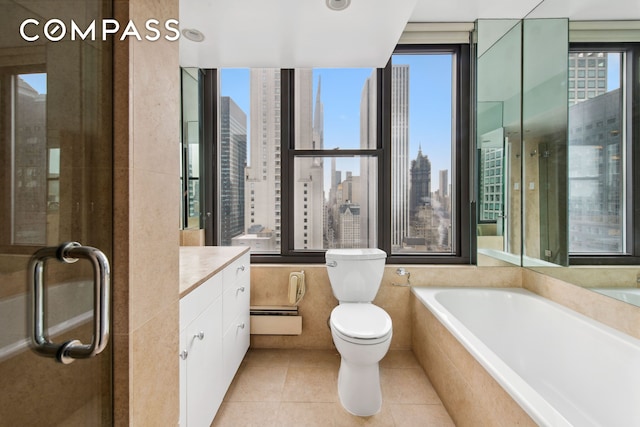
214 337
235 316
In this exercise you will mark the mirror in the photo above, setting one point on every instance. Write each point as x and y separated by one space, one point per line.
522 182
545 44
498 123
554 190
190 212
599 162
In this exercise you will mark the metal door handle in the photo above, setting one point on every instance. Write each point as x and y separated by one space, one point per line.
69 253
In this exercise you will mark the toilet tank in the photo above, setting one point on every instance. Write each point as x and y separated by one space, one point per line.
355 274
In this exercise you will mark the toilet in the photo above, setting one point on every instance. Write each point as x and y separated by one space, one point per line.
361 331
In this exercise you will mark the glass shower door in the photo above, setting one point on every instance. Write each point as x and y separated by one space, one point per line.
55 186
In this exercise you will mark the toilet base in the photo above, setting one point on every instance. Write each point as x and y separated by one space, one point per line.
359 388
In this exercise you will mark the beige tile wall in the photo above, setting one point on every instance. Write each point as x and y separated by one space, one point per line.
617 314
146 261
269 287
192 237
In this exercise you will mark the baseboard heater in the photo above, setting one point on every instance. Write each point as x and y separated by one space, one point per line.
275 320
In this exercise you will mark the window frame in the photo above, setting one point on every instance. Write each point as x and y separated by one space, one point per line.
632 191
462 240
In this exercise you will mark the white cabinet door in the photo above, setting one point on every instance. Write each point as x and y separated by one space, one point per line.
204 366
184 354
236 344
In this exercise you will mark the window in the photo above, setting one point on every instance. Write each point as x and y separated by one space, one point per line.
337 146
335 158
602 187
422 149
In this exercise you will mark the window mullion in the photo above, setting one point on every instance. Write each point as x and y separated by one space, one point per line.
384 161
287 145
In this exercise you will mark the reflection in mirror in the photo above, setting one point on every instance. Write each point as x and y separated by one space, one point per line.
544 122
498 142
603 63
190 153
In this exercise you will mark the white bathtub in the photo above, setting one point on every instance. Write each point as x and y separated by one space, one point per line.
563 369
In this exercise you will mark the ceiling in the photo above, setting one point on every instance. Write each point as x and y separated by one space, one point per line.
305 33
291 33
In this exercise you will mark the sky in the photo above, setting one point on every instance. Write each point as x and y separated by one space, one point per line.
36 81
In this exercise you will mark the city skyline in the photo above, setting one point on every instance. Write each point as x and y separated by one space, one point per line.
430 122
334 208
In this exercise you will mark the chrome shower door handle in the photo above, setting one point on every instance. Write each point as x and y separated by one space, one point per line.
71 350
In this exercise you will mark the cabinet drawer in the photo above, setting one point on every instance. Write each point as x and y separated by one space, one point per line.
235 303
194 303
234 346
238 270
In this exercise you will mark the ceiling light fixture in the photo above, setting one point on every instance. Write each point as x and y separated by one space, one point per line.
338 4
193 34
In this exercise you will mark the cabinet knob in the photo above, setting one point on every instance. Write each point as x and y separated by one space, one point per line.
199 335
241 268
184 354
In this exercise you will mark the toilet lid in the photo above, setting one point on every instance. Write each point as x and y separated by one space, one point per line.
360 320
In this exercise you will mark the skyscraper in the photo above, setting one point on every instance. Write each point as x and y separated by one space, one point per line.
443 183
596 178
597 140
587 75
399 154
309 171
263 175
369 181
233 159
420 183
349 225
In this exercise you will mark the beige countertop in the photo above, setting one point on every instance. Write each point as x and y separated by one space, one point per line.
199 263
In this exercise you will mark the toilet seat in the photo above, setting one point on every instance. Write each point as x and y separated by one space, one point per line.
361 323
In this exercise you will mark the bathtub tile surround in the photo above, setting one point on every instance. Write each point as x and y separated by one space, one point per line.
291 387
469 393
563 368
617 314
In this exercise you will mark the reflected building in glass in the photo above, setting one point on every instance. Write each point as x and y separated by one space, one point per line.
596 202
30 167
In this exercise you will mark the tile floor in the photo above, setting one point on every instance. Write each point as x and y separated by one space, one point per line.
299 388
